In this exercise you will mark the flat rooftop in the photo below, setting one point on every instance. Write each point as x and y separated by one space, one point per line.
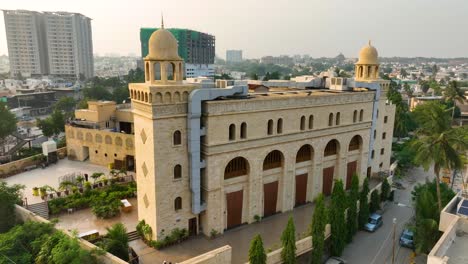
457 250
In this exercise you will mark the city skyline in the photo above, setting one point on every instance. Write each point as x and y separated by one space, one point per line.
397 28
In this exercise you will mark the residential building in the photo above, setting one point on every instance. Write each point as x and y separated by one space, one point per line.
232 155
281 60
55 43
69 45
26 42
451 246
233 56
196 48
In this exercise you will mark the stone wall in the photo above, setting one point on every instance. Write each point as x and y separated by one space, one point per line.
25 215
18 166
220 255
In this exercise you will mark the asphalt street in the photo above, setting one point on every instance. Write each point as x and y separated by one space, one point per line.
377 247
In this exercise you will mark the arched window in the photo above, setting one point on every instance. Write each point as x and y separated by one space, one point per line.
330 119
147 71
361 115
355 143
170 71
304 154
235 168
157 71
331 148
146 97
355 116
384 135
178 203
279 126
311 122
369 71
232 132
273 160
338 116
177 171
177 138
270 127
377 113
243 134
303 121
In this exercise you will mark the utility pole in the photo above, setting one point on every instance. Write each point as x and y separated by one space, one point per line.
394 235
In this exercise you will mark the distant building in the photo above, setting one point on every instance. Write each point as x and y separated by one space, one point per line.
196 48
26 42
55 43
233 55
281 60
69 44
415 101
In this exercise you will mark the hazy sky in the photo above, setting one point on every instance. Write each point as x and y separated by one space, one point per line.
436 28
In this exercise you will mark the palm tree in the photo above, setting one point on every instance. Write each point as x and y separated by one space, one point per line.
438 144
453 93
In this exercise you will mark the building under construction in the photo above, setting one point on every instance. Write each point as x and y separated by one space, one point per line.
196 48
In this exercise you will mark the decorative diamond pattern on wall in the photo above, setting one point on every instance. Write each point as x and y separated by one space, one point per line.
145 200
143 136
144 169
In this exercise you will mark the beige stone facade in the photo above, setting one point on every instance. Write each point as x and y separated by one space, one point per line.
260 154
103 133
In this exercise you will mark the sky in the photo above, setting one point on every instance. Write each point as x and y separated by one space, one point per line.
319 28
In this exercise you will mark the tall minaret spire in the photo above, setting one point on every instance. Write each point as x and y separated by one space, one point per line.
162 20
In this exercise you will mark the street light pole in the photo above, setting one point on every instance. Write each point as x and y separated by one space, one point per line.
394 234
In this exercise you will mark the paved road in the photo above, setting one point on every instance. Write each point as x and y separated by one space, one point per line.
376 248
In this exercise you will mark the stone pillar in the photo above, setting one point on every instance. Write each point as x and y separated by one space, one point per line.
288 182
255 190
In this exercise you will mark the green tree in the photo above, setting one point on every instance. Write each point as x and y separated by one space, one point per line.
253 76
319 221
438 144
375 201
267 77
9 195
351 218
453 93
52 125
385 190
8 123
66 104
337 219
120 94
97 92
257 253
364 204
288 240
116 241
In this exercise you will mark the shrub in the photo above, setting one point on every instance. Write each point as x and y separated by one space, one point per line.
257 253
176 236
385 190
288 240
364 204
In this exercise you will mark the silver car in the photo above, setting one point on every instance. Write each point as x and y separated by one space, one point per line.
335 260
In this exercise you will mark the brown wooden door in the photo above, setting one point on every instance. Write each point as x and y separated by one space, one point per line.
270 197
192 226
327 180
301 189
234 208
351 170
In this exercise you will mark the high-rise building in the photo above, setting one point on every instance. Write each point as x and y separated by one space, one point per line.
26 42
196 48
55 43
233 55
69 44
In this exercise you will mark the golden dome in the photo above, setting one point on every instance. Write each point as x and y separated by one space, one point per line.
368 55
163 46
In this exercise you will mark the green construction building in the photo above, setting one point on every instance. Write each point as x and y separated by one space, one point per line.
194 47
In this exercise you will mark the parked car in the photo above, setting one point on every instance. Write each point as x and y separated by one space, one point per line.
335 260
375 221
407 239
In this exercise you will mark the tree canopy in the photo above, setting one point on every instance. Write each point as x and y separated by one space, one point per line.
288 240
8 123
337 219
9 196
319 221
257 253
52 125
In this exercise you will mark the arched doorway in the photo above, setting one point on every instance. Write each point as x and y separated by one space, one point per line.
331 154
237 167
273 163
303 163
354 148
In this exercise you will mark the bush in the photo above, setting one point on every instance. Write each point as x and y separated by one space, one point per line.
176 236
385 190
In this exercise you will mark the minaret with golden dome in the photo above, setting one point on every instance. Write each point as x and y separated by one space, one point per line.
367 67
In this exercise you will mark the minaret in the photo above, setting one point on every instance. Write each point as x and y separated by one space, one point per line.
160 119
367 67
